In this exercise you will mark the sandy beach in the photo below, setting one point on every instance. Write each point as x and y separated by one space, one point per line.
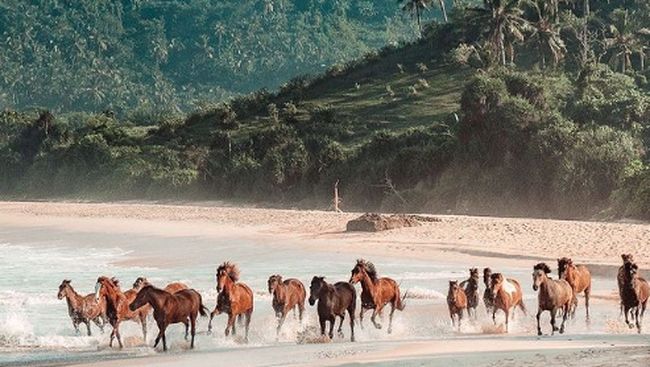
162 236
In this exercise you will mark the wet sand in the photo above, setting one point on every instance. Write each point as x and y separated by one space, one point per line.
167 236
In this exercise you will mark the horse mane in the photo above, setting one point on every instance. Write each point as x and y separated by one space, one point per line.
543 267
231 269
369 268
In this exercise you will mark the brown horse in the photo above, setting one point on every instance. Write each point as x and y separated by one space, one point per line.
627 258
456 301
287 295
635 294
488 298
83 309
172 288
333 301
579 277
470 286
181 307
553 295
376 293
236 298
117 307
507 295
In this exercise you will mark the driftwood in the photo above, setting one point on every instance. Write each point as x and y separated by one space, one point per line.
373 222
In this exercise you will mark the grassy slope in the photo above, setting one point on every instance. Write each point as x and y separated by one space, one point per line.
361 95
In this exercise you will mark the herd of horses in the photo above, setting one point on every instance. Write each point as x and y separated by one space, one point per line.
177 303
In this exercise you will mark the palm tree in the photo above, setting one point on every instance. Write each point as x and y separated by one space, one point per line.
505 26
416 7
545 31
623 40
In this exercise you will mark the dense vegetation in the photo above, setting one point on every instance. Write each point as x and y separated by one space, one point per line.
512 107
71 55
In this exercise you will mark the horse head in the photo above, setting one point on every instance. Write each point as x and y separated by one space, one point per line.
141 299
627 258
317 284
540 272
631 270
496 282
105 286
454 288
273 282
226 271
63 289
563 264
362 267
487 273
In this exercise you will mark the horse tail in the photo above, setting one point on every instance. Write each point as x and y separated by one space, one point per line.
522 306
202 309
399 301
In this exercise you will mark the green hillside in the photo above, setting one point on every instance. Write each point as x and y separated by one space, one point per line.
458 121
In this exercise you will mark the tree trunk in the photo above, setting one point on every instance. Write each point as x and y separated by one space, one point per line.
417 14
502 49
585 31
642 60
444 10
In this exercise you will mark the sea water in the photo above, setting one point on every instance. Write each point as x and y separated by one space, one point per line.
35 327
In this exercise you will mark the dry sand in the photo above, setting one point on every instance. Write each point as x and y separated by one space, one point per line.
461 239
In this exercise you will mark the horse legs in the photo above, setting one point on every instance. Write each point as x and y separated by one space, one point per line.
351 312
539 328
187 329
638 323
553 327
390 318
322 325
460 318
340 329
230 324
301 310
75 324
332 320
587 294
88 327
627 320
164 338
247 324
281 320
375 311
363 310
507 317
564 317
453 319
193 323
494 315
118 336
99 325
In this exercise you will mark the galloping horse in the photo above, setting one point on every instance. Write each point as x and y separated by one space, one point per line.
507 295
83 308
627 258
470 286
376 292
635 294
579 277
172 288
553 295
117 307
456 301
180 307
333 301
488 298
287 295
235 299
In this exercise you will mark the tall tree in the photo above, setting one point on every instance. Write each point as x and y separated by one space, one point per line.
545 31
623 40
505 25
416 7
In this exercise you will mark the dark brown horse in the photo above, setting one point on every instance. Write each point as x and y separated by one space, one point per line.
83 309
554 295
456 301
183 306
488 298
579 277
507 295
627 258
117 307
470 286
236 298
288 295
635 294
333 301
172 288
376 293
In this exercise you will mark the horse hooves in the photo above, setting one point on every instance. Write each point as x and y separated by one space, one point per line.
378 326
562 331
390 331
539 333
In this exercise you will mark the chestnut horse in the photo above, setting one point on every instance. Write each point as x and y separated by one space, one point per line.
287 295
470 286
507 295
488 298
181 307
627 258
83 309
117 307
553 295
579 277
456 301
172 288
635 294
236 298
333 301
376 293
